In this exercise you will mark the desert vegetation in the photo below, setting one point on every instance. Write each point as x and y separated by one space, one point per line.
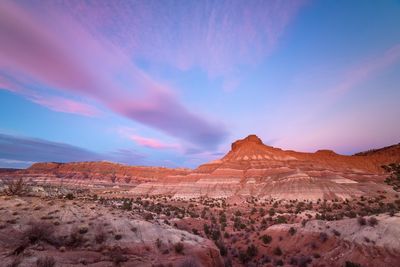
240 232
394 175
14 186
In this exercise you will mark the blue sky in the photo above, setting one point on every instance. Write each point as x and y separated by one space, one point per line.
173 83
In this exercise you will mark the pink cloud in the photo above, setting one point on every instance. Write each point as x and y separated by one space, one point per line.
66 105
55 103
84 63
215 36
152 143
27 46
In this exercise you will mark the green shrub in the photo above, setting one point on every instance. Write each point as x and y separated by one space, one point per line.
351 264
243 257
278 251
127 204
372 221
271 212
252 251
266 239
361 221
323 237
280 219
179 247
292 231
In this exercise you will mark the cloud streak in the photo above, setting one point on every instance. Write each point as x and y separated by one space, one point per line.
148 142
152 143
368 69
52 102
79 62
218 37
65 105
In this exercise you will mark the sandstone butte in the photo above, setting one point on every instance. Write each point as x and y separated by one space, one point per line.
250 168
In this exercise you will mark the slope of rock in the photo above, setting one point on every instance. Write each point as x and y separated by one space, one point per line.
94 173
384 152
250 168
254 169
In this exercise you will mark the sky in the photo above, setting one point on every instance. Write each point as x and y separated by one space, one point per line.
174 83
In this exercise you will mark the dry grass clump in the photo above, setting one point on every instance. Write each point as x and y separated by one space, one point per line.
266 239
189 262
372 221
100 235
361 221
278 251
292 231
323 237
15 187
40 231
179 247
15 262
117 256
46 262
75 238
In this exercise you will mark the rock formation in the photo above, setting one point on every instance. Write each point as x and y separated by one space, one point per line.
94 173
254 169
250 168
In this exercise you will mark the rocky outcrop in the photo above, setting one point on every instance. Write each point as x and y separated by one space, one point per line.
384 152
95 173
252 168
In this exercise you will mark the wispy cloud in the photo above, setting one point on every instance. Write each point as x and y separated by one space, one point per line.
367 70
152 143
149 142
81 62
65 105
56 103
217 37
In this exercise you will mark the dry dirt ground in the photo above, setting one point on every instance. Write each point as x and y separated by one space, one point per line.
85 233
81 227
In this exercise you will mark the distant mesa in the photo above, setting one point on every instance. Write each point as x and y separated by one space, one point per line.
393 149
326 152
250 168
